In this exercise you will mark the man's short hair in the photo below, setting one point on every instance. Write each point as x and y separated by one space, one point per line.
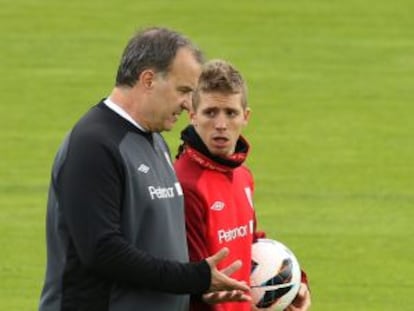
153 48
219 76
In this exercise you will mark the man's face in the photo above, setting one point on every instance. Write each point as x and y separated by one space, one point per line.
219 120
172 93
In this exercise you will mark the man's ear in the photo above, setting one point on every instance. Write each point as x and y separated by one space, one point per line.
147 77
247 112
193 117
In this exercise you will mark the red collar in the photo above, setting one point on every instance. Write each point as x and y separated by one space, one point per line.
208 163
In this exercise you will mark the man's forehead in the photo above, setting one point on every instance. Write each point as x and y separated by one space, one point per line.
185 63
220 100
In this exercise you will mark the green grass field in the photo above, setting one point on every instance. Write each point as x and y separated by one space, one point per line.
330 86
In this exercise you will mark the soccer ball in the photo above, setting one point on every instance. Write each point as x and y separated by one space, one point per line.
275 277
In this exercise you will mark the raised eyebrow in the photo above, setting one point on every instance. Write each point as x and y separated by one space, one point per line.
232 110
185 89
209 109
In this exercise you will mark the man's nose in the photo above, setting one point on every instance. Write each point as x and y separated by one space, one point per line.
187 101
221 121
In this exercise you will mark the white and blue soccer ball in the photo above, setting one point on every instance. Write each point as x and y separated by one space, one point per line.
275 277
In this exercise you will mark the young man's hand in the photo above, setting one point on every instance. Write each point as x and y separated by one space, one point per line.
302 302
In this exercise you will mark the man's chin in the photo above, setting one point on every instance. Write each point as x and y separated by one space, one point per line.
168 127
219 152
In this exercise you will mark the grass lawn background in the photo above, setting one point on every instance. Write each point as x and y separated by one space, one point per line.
331 89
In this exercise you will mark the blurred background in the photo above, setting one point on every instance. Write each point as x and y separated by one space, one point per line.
331 90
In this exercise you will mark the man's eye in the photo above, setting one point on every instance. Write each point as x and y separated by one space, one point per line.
210 113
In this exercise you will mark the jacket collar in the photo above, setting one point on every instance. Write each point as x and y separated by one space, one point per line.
198 151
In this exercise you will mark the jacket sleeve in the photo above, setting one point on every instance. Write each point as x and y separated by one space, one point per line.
304 278
90 187
196 225
257 234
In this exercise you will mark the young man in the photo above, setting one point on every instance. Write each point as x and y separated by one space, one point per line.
217 187
115 220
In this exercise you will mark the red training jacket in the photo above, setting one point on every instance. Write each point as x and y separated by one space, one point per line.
219 213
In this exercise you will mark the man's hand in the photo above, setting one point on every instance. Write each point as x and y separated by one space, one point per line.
222 287
302 302
225 296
